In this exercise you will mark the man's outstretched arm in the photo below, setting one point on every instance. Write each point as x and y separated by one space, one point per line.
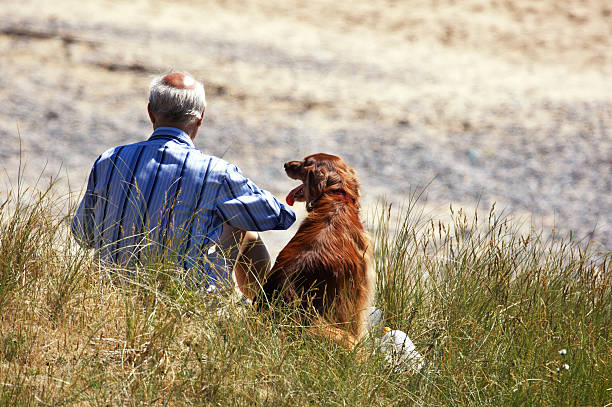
245 206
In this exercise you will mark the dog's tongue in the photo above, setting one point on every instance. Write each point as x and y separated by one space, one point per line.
291 197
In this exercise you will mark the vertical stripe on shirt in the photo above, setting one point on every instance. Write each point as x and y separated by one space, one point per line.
132 178
169 218
109 183
153 184
195 211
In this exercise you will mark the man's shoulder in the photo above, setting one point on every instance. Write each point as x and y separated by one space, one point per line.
220 163
219 168
127 149
113 151
197 158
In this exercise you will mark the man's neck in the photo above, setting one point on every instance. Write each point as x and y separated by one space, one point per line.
191 132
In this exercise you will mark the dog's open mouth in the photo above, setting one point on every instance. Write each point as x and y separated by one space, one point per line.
296 194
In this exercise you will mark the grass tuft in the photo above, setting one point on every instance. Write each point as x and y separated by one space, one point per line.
489 307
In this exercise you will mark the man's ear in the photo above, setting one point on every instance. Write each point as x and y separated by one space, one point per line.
199 122
151 115
197 125
316 181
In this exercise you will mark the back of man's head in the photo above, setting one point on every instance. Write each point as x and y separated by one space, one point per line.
177 97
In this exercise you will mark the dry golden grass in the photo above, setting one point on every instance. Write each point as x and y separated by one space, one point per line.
503 319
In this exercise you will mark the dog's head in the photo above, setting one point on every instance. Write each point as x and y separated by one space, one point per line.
322 174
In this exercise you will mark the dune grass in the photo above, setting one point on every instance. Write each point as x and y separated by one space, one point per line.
491 308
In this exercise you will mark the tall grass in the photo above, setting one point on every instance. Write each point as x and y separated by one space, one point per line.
506 318
489 307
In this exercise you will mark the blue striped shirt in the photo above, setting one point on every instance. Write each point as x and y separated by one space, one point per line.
165 197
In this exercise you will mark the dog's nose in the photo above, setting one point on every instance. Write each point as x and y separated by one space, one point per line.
292 165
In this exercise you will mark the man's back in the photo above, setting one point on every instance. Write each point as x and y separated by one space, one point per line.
165 197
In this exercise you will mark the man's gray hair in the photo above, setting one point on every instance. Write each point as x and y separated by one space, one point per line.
177 104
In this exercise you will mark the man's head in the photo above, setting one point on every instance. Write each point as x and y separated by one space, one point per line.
177 100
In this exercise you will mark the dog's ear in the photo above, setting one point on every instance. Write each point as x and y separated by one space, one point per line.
334 181
344 179
316 181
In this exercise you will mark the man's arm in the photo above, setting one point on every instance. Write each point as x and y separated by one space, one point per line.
83 221
245 206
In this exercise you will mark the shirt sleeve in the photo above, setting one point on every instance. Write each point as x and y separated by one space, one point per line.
83 221
245 206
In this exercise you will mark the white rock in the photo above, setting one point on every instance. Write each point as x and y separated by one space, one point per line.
400 351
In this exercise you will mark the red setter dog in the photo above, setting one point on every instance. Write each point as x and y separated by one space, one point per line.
327 265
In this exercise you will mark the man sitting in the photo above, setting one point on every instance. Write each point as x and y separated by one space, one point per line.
164 199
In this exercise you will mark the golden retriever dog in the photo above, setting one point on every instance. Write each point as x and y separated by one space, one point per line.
327 266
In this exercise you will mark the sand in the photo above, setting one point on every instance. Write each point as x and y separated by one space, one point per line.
481 101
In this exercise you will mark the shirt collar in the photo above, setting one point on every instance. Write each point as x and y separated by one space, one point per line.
171 133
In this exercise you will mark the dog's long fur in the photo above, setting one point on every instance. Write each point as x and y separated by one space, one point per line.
327 265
